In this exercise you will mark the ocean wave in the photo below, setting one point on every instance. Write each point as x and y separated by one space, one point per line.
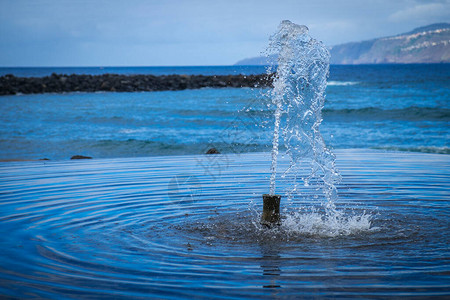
142 148
341 83
413 113
130 131
421 149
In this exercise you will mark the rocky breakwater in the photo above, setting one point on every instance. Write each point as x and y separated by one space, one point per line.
57 83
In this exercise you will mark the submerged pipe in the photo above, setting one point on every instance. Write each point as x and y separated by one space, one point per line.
271 210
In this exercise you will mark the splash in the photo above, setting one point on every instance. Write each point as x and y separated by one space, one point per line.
338 224
298 96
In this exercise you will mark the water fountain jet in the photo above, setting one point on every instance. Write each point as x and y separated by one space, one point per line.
298 93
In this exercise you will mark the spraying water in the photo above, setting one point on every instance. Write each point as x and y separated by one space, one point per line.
299 96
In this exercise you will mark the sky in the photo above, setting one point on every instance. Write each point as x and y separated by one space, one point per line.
189 32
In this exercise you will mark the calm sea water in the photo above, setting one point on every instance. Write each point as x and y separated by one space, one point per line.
194 70
397 107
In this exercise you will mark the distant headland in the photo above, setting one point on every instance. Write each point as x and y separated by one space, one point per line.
428 44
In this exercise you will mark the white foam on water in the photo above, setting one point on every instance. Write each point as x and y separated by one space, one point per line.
320 225
128 131
342 83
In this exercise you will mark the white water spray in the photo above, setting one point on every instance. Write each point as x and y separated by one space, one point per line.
299 96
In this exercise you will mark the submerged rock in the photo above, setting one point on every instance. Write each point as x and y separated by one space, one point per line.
213 151
80 157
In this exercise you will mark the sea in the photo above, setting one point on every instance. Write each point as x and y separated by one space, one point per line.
387 107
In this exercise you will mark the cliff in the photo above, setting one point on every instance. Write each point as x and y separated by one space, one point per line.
428 44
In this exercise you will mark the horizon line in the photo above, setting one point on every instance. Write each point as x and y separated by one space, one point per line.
201 66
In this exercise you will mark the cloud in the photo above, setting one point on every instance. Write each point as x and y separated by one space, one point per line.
423 12
155 32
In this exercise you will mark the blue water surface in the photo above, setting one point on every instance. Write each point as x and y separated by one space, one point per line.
188 70
152 217
188 227
397 107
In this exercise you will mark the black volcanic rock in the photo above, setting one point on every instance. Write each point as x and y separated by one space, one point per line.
58 83
80 157
212 151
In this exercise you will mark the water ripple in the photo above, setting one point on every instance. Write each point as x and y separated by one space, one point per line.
166 226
